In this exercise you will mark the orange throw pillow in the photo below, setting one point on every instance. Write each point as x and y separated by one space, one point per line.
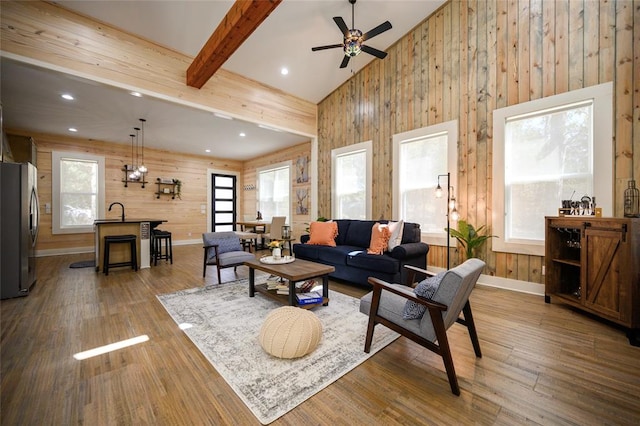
323 233
380 235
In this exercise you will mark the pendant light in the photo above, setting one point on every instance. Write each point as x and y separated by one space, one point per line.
136 172
132 175
142 169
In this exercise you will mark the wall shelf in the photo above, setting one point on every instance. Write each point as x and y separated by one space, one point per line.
166 188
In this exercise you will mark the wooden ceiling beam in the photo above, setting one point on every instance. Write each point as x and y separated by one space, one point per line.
237 25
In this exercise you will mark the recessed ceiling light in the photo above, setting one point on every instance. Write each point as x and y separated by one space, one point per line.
207 150
73 129
136 94
284 71
242 134
67 96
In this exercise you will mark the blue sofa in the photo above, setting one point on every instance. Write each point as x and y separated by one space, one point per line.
350 257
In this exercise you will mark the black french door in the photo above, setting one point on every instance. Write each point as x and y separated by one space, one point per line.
223 202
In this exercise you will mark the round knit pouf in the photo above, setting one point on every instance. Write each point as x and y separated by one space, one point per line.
290 332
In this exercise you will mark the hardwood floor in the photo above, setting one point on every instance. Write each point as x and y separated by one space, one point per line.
542 364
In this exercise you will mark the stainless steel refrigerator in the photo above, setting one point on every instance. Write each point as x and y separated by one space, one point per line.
19 218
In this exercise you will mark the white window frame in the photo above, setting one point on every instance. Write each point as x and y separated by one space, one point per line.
285 164
450 128
603 182
367 148
56 213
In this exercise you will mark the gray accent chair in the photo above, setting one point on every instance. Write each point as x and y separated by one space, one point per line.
385 305
223 249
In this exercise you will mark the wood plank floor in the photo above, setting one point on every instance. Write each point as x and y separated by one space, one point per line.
542 364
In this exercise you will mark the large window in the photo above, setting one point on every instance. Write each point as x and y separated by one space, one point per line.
419 156
549 150
274 189
78 192
351 181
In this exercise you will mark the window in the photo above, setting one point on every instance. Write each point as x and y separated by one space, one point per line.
546 151
274 189
351 181
78 192
419 156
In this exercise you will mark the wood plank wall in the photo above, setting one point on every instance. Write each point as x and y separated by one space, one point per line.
299 156
468 59
57 38
185 220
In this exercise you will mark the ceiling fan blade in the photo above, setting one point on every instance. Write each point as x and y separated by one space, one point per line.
385 26
331 46
345 61
341 24
375 52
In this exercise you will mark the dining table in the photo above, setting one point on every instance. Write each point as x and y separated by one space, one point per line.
258 226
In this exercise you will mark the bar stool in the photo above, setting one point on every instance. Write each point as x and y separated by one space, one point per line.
158 237
119 239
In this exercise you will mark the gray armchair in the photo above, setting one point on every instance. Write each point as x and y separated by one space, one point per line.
223 249
387 305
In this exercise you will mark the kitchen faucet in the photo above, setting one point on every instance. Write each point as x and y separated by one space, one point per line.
111 205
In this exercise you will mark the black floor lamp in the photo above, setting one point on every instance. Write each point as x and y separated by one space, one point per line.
452 213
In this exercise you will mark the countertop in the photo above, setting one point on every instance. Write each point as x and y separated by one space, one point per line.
126 220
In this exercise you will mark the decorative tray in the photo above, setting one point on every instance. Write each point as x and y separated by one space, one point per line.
271 261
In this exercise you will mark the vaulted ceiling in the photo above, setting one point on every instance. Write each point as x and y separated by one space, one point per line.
30 96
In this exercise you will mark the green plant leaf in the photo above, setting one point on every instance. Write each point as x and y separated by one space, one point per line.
468 236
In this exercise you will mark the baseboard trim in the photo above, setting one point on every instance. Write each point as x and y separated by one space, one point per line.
63 251
506 283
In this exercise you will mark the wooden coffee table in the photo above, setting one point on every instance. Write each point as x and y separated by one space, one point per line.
298 270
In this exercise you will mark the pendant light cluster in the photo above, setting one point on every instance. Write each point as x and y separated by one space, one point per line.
138 169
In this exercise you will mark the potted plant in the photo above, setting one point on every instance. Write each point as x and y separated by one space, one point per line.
469 237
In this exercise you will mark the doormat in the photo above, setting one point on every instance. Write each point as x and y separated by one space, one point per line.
83 264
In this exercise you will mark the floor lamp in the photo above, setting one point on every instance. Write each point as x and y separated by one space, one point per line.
452 213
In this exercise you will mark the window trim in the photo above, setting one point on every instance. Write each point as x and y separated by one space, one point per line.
603 179
451 129
284 164
367 147
56 215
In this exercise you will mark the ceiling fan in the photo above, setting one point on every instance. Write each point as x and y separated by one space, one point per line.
353 39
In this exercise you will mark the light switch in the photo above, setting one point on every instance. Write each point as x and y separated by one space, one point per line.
47 208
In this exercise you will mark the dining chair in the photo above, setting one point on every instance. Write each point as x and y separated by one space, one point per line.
275 229
248 238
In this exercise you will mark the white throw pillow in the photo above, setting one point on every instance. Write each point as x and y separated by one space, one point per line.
396 229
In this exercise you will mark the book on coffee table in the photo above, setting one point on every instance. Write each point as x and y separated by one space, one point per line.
309 298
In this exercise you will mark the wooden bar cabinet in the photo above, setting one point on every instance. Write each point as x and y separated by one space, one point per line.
593 264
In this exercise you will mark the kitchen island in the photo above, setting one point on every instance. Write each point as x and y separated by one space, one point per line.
141 228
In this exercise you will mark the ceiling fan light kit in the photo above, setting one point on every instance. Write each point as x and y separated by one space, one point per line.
353 39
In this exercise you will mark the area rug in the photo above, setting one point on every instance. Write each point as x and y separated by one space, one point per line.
224 323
